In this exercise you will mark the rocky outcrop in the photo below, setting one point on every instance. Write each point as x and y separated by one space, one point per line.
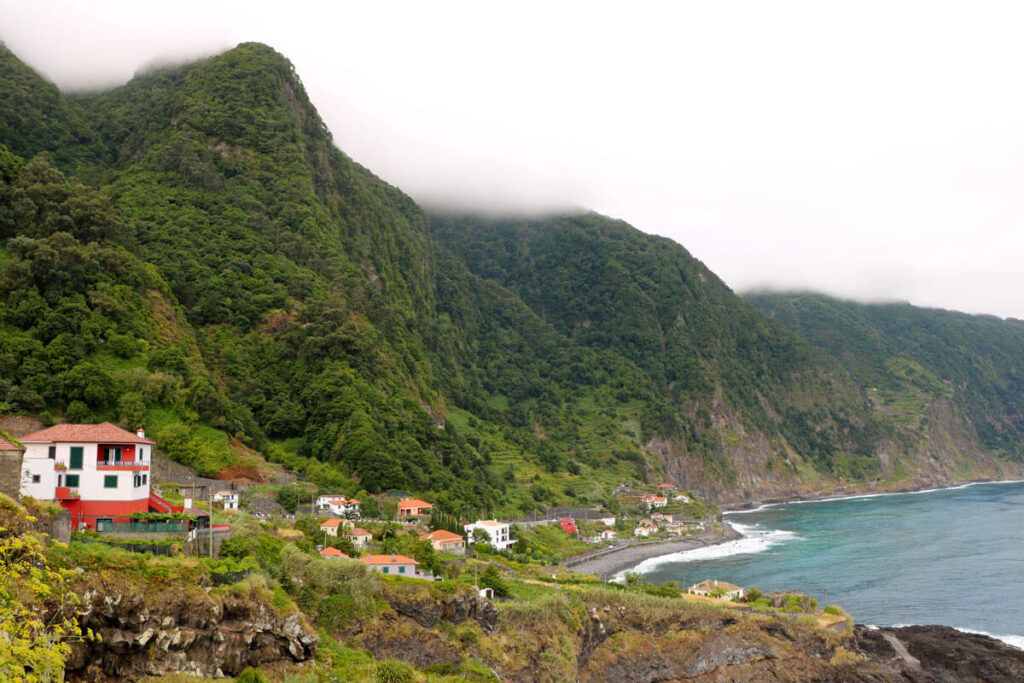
195 634
456 608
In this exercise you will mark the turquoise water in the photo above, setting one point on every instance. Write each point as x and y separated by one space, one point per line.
953 557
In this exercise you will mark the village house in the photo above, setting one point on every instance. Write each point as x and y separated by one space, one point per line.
664 488
333 554
607 521
360 537
413 507
652 501
607 535
97 472
498 532
444 541
229 499
338 505
645 528
331 526
682 498
715 588
399 565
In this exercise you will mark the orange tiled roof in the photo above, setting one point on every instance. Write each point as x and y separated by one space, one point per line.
359 532
414 503
331 523
6 445
387 559
334 552
101 433
441 535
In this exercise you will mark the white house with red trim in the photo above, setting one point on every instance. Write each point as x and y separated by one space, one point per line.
95 471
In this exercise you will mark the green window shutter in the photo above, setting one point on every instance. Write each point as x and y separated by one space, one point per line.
385 570
110 481
76 458
72 481
401 570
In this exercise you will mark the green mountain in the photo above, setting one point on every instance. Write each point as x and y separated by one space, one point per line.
191 252
929 371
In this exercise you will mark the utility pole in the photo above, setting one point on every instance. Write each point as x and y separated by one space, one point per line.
209 496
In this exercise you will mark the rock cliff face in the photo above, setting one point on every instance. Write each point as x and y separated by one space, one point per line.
195 635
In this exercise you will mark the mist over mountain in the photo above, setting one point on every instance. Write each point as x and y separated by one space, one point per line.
190 251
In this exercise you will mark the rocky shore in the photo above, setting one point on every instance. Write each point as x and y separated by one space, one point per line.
608 563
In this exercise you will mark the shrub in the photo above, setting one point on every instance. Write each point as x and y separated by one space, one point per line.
834 609
394 671
251 675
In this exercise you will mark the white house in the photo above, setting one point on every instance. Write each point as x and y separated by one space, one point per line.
607 535
228 498
498 532
399 565
331 526
714 586
645 529
338 505
98 472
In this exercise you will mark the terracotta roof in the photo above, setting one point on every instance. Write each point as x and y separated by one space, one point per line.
414 503
70 433
331 523
489 522
387 559
6 445
665 486
441 535
334 552
359 532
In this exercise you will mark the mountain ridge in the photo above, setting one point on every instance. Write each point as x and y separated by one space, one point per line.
329 322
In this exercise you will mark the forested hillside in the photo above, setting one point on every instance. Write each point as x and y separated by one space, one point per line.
911 360
190 252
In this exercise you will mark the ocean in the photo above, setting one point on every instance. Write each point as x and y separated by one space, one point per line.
950 556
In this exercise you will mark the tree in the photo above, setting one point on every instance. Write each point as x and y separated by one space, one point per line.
288 498
492 579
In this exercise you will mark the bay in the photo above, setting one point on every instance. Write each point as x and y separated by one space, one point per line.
952 556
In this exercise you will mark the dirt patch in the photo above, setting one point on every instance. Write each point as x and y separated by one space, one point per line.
243 474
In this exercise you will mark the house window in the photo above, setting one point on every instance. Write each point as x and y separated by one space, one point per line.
110 481
72 480
138 480
36 478
401 570
76 458
385 570
51 452
144 477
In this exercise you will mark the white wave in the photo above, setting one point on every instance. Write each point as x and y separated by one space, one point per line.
755 540
1011 640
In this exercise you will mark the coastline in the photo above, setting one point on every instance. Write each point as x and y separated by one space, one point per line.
624 558
613 561
844 494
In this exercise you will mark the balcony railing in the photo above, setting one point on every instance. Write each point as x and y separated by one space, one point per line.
170 526
122 463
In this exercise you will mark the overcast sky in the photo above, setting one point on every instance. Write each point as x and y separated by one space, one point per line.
868 150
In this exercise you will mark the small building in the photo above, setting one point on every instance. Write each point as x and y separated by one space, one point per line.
682 498
444 541
399 565
498 532
645 529
715 588
333 554
339 505
413 507
607 535
331 526
11 454
664 488
360 537
607 521
229 499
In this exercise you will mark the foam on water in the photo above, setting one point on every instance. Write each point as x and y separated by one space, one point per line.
755 540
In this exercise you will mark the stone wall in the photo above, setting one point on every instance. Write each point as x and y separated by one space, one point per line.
20 425
10 473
